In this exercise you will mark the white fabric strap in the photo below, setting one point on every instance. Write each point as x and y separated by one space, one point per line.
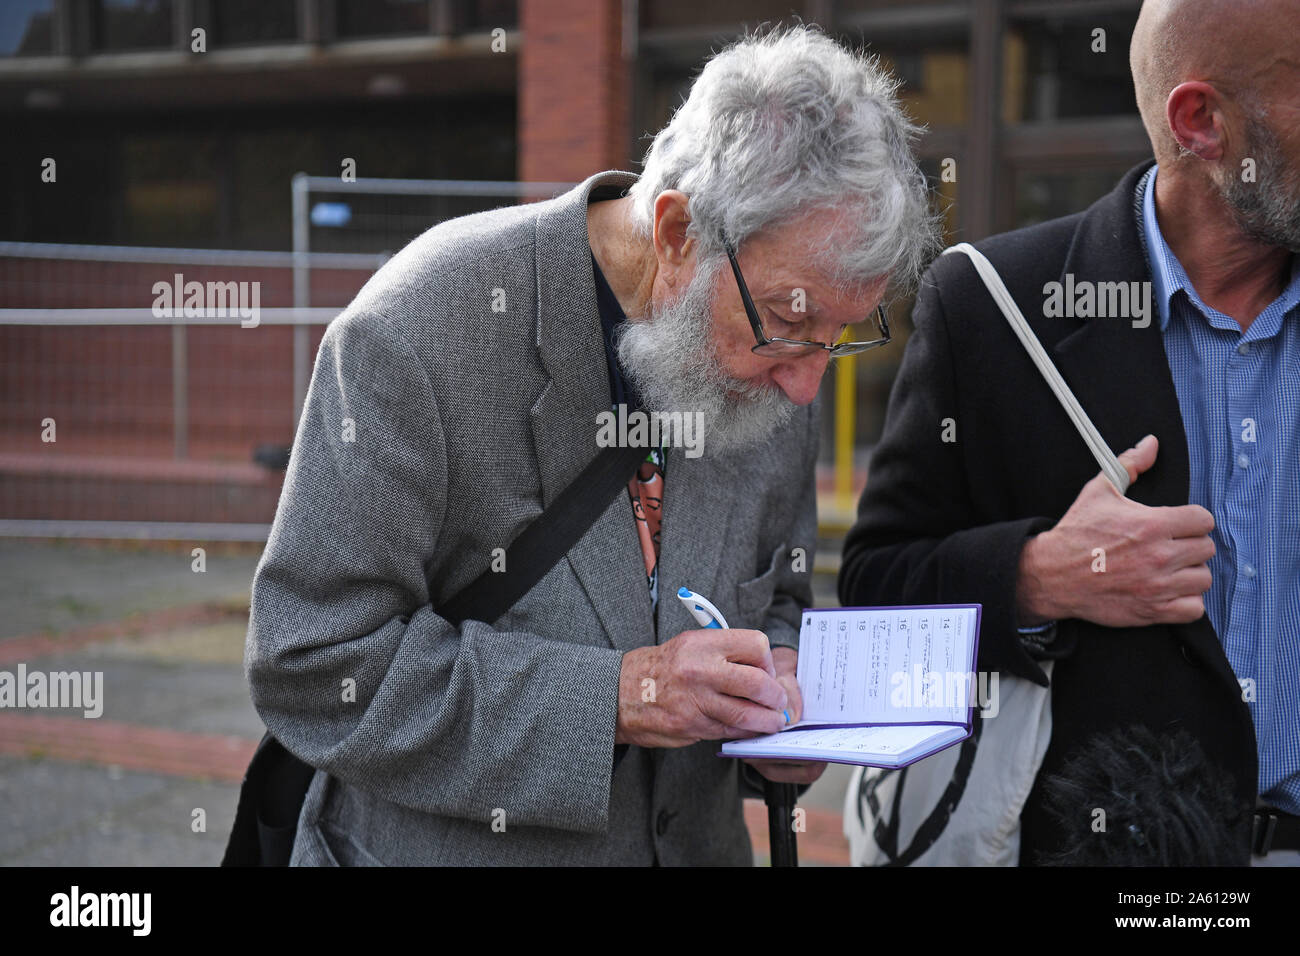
1110 465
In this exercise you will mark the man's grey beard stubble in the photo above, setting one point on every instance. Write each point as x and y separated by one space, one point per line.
1268 209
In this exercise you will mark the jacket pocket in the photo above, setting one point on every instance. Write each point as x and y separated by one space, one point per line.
344 850
310 848
754 597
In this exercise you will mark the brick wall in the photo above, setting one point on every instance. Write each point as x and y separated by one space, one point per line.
574 90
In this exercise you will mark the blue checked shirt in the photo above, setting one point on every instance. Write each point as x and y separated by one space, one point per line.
1240 399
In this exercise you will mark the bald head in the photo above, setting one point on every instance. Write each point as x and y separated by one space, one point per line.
1244 48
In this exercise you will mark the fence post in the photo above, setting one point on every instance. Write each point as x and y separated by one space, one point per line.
180 392
301 293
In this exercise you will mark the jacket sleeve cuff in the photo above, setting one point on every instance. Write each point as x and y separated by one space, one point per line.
992 574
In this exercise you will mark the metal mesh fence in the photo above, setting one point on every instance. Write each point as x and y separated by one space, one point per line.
148 392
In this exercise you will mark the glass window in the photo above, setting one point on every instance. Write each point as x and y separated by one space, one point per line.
171 188
1061 68
1041 195
933 71
489 14
26 27
845 9
132 24
673 14
934 89
397 141
367 18
236 22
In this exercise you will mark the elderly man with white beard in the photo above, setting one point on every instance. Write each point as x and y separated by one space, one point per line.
579 725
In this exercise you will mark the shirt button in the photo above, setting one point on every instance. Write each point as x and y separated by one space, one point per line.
1248 570
661 824
1243 348
1243 461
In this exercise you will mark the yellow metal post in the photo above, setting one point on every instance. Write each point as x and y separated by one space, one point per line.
845 421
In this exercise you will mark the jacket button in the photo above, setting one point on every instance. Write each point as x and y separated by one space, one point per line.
661 823
1187 657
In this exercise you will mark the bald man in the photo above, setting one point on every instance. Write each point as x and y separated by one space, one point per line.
1178 605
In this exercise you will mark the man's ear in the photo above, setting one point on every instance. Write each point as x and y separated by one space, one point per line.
671 244
1196 118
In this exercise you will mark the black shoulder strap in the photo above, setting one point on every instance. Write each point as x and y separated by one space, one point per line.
886 832
544 542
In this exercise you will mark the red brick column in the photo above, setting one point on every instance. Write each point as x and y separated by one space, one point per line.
574 90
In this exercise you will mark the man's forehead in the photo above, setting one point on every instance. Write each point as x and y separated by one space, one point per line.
797 254
813 286
786 283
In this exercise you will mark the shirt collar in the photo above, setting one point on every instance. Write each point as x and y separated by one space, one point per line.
1167 273
1168 277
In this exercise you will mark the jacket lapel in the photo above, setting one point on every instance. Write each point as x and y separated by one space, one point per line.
1121 375
699 494
571 348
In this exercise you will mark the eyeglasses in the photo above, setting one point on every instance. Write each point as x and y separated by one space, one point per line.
788 348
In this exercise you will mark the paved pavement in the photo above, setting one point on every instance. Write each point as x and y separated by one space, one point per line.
154 780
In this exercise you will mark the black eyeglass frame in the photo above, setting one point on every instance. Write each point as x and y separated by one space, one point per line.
842 348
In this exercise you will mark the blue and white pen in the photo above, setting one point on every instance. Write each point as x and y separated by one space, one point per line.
706 615
701 608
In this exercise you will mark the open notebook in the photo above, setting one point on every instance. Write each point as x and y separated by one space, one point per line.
882 686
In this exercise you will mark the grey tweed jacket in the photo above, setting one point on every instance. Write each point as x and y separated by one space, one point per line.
435 429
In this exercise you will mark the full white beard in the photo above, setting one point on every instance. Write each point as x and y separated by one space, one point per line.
669 356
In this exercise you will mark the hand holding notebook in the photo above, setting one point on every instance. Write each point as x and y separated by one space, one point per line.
882 687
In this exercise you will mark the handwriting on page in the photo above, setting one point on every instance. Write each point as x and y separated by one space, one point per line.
886 665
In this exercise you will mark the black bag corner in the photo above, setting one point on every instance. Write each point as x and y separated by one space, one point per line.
270 799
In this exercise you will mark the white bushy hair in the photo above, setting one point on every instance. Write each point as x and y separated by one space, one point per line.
787 122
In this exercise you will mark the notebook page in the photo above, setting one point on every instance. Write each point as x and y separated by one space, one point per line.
886 665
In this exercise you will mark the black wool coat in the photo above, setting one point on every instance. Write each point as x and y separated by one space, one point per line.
945 521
